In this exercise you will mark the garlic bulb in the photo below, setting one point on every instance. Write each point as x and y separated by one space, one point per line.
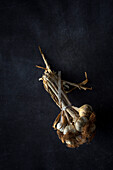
68 142
69 128
85 110
60 127
78 126
80 123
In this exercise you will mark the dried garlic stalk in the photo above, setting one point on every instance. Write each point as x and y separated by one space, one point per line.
74 125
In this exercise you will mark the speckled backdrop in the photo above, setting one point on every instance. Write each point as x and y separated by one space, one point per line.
75 36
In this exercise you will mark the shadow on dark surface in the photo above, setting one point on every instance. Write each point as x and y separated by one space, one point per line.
75 37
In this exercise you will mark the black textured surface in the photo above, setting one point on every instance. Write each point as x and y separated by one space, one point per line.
75 36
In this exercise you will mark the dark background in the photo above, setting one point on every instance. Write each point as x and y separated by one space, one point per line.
75 36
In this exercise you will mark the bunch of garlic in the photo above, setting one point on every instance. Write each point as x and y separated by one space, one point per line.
76 124
74 134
